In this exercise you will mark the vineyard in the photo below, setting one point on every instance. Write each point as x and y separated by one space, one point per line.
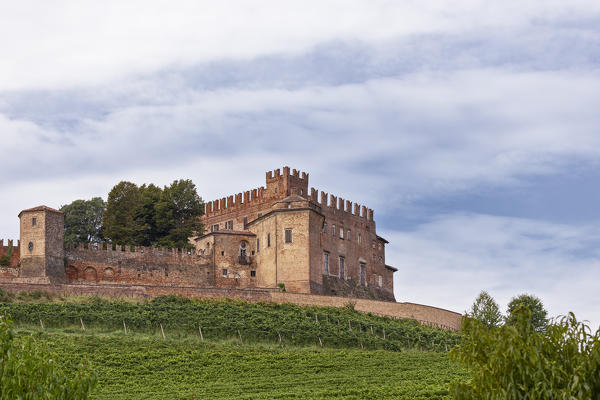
284 324
176 348
138 367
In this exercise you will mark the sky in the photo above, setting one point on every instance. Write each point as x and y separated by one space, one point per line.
471 127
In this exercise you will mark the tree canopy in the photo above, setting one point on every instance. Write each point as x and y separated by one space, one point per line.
538 315
517 361
486 310
27 371
83 221
151 216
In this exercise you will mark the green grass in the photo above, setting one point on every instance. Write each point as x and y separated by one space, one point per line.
137 366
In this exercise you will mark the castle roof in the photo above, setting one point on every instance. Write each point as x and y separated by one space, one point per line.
41 208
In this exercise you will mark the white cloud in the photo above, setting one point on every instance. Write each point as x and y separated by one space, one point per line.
446 262
75 43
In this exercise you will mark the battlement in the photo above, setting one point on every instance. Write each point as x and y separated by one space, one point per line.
278 185
154 252
339 204
276 174
236 202
10 243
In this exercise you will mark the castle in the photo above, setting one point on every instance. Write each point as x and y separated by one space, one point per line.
279 242
278 236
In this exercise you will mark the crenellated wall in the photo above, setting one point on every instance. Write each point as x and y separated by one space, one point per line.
137 266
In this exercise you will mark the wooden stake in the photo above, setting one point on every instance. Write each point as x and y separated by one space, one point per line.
41 323
316 319
200 330
279 334
124 327
372 330
383 333
361 346
240 335
162 331
82 325
349 326
321 343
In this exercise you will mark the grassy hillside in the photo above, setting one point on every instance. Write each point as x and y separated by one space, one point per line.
287 324
246 351
142 367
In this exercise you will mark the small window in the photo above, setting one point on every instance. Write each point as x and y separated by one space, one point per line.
288 236
341 233
223 253
324 227
224 272
30 246
245 222
258 245
259 215
342 267
253 274
214 228
275 190
301 192
268 240
333 230
359 238
34 221
326 263
363 274
380 281
243 249
229 225
348 235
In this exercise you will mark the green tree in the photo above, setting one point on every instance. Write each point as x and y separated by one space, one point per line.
28 372
123 208
178 214
83 221
146 219
486 310
518 362
539 316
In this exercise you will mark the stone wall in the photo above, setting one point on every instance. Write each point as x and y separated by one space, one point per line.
138 266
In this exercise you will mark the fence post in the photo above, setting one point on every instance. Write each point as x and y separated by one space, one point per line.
82 325
41 324
124 327
200 330
240 335
162 331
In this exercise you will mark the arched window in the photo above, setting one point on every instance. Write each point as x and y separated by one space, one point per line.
243 249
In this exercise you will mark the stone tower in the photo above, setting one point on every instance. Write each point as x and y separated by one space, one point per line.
42 245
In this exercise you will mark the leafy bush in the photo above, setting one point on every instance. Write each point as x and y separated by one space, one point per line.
28 372
5 296
519 362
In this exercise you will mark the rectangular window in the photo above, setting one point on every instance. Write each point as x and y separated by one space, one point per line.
268 240
259 215
333 230
245 222
363 274
380 281
342 268
324 227
341 233
34 221
224 272
253 273
288 236
326 263
359 238
214 228
348 234
258 245
229 225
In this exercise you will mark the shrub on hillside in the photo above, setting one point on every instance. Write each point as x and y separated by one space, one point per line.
519 362
28 372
